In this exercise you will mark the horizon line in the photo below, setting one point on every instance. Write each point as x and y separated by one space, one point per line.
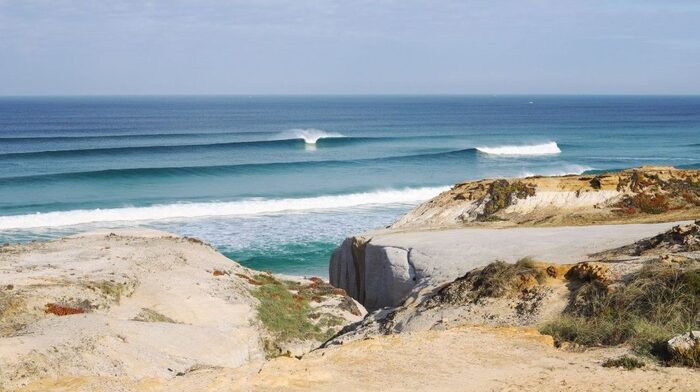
145 95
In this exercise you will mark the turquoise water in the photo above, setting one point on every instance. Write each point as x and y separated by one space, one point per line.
277 182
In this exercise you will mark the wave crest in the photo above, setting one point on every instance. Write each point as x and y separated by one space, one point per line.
196 210
310 135
513 150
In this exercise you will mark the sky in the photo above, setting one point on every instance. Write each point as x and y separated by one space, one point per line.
86 47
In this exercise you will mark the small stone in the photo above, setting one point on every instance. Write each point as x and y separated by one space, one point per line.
684 343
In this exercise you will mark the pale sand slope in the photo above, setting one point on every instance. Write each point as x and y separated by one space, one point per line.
460 359
395 263
116 277
156 305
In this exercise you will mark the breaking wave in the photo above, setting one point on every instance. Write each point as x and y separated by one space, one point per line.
534 149
208 209
310 135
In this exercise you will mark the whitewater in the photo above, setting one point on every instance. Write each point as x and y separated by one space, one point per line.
278 182
309 135
549 148
234 208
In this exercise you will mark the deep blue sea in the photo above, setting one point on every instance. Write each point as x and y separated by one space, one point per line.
277 182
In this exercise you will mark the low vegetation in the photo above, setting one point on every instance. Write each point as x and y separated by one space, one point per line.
11 308
656 303
656 195
495 280
501 195
151 316
287 313
111 290
625 362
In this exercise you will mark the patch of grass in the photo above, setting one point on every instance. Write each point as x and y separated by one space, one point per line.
282 314
286 309
151 316
289 316
262 279
625 361
657 303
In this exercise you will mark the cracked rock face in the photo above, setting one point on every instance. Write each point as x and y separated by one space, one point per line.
386 280
392 278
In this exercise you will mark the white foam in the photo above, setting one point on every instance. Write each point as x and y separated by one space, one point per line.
194 210
310 135
534 149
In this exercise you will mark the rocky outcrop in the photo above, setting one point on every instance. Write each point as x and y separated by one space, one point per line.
681 238
536 293
647 194
384 268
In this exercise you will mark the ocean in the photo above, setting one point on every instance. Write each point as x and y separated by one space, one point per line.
276 182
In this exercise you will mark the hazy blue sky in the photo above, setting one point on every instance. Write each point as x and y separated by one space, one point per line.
328 46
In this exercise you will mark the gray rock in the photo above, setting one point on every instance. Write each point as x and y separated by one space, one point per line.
684 343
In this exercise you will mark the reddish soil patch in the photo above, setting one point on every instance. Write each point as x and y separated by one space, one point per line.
60 310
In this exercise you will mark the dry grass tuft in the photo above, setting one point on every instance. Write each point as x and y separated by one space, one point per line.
151 316
495 280
658 302
626 362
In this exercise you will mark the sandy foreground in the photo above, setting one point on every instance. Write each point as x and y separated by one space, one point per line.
459 359
213 343
129 303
